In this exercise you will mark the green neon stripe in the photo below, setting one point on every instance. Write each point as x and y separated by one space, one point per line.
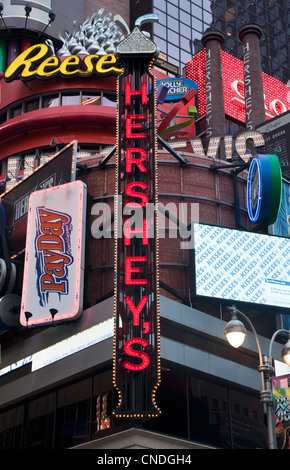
276 187
177 127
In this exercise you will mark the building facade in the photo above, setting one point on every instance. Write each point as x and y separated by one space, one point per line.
57 381
182 24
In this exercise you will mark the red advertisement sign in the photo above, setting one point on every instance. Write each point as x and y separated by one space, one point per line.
276 93
136 354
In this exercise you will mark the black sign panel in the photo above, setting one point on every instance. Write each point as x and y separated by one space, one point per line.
58 170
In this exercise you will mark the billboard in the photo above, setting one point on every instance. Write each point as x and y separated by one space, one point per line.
54 256
281 226
177 87
60 168
241 266
275 91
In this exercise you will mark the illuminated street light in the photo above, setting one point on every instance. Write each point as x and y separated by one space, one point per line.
235 333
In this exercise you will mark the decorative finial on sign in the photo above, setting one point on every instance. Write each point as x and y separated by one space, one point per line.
138 42
150 18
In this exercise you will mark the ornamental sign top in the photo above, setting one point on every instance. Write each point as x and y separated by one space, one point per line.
96 35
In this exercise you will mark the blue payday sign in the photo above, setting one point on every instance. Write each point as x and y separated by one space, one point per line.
177 87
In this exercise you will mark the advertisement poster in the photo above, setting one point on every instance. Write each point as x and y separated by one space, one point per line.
281 397
54 256
242 266
281 228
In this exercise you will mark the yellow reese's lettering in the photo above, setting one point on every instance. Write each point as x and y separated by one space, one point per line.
36 62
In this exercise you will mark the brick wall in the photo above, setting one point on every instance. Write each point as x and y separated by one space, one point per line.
196 184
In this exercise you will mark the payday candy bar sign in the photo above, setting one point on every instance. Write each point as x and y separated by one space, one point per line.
54 259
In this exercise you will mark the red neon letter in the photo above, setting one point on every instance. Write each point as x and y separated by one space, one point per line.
135 161
128 230
135 125
132 352
146 327
129 93
143 196
129 269
136 310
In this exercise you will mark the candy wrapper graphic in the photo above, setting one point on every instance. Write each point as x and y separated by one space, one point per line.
52 252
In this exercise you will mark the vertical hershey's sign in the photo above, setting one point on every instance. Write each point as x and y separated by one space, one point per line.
136 372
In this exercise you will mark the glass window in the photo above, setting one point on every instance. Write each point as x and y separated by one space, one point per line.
185 43
196 24
173 38
41 422
16 111
185 17
207 4
252 433
102 402
185 56
160 30
172 10
73 414
71 99
207 17
173 419
173 51
161 44
196 35
185 30
161 4
3 117
91 98
173 24
32 105
109 99
50 101
230 13
11 423
162 16
197 12
174 60
185 5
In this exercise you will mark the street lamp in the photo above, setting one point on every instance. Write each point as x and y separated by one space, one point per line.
235 332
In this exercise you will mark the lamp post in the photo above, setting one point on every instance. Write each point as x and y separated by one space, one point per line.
236 333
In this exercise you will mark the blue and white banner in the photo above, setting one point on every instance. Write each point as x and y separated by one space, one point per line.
242 266
177 87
